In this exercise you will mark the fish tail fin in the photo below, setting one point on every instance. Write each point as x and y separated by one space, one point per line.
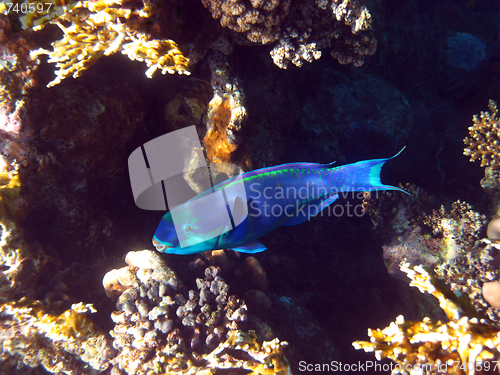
365 175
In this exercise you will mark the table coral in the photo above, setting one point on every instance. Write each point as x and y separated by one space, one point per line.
464 345
67 343
163 327
484 141
93 29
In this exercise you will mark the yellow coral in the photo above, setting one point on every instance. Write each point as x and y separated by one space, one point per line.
93 29
267 357
464 345
10 186
219 147
484 141
61 343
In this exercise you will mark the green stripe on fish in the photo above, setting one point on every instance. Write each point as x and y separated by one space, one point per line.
237 212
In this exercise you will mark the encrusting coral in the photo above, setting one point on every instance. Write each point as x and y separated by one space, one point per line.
67 343
464 345
225 118
93 29
162 327
226 111
484 141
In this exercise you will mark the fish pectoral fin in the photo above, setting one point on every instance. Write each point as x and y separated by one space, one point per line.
239 211
251 247
303 215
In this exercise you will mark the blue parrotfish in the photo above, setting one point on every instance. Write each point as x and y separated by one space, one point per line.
235 213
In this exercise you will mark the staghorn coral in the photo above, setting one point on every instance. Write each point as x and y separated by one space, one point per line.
464 345
68 343
93 29
258 19
484 141
162 327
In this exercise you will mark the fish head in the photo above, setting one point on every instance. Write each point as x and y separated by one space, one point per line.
165 237
188 229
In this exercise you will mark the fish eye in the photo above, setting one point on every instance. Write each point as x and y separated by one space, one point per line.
187 228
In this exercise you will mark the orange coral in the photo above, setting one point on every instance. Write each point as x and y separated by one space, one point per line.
219 148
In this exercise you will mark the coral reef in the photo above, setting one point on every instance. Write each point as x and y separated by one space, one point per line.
338 25
470 270
484 145
259 20
16 80
226 114
395 213
464 345
16 67
484 141
397 220
459 227
303 29
67 343
93 29
163 327
19 261
72 171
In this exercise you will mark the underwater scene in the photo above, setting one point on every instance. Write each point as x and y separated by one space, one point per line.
249 187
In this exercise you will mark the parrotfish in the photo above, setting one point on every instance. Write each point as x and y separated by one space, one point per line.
235 213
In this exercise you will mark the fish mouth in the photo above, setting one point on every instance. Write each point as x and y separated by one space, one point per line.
159 246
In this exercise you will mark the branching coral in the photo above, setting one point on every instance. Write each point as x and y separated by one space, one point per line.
464 345
67 343
303 29
162 327
312 26
93 29
258 19
484 141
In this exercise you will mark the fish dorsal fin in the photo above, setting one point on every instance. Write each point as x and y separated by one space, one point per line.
251 247
304 214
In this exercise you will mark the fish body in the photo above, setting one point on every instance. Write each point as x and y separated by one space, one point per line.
238 211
